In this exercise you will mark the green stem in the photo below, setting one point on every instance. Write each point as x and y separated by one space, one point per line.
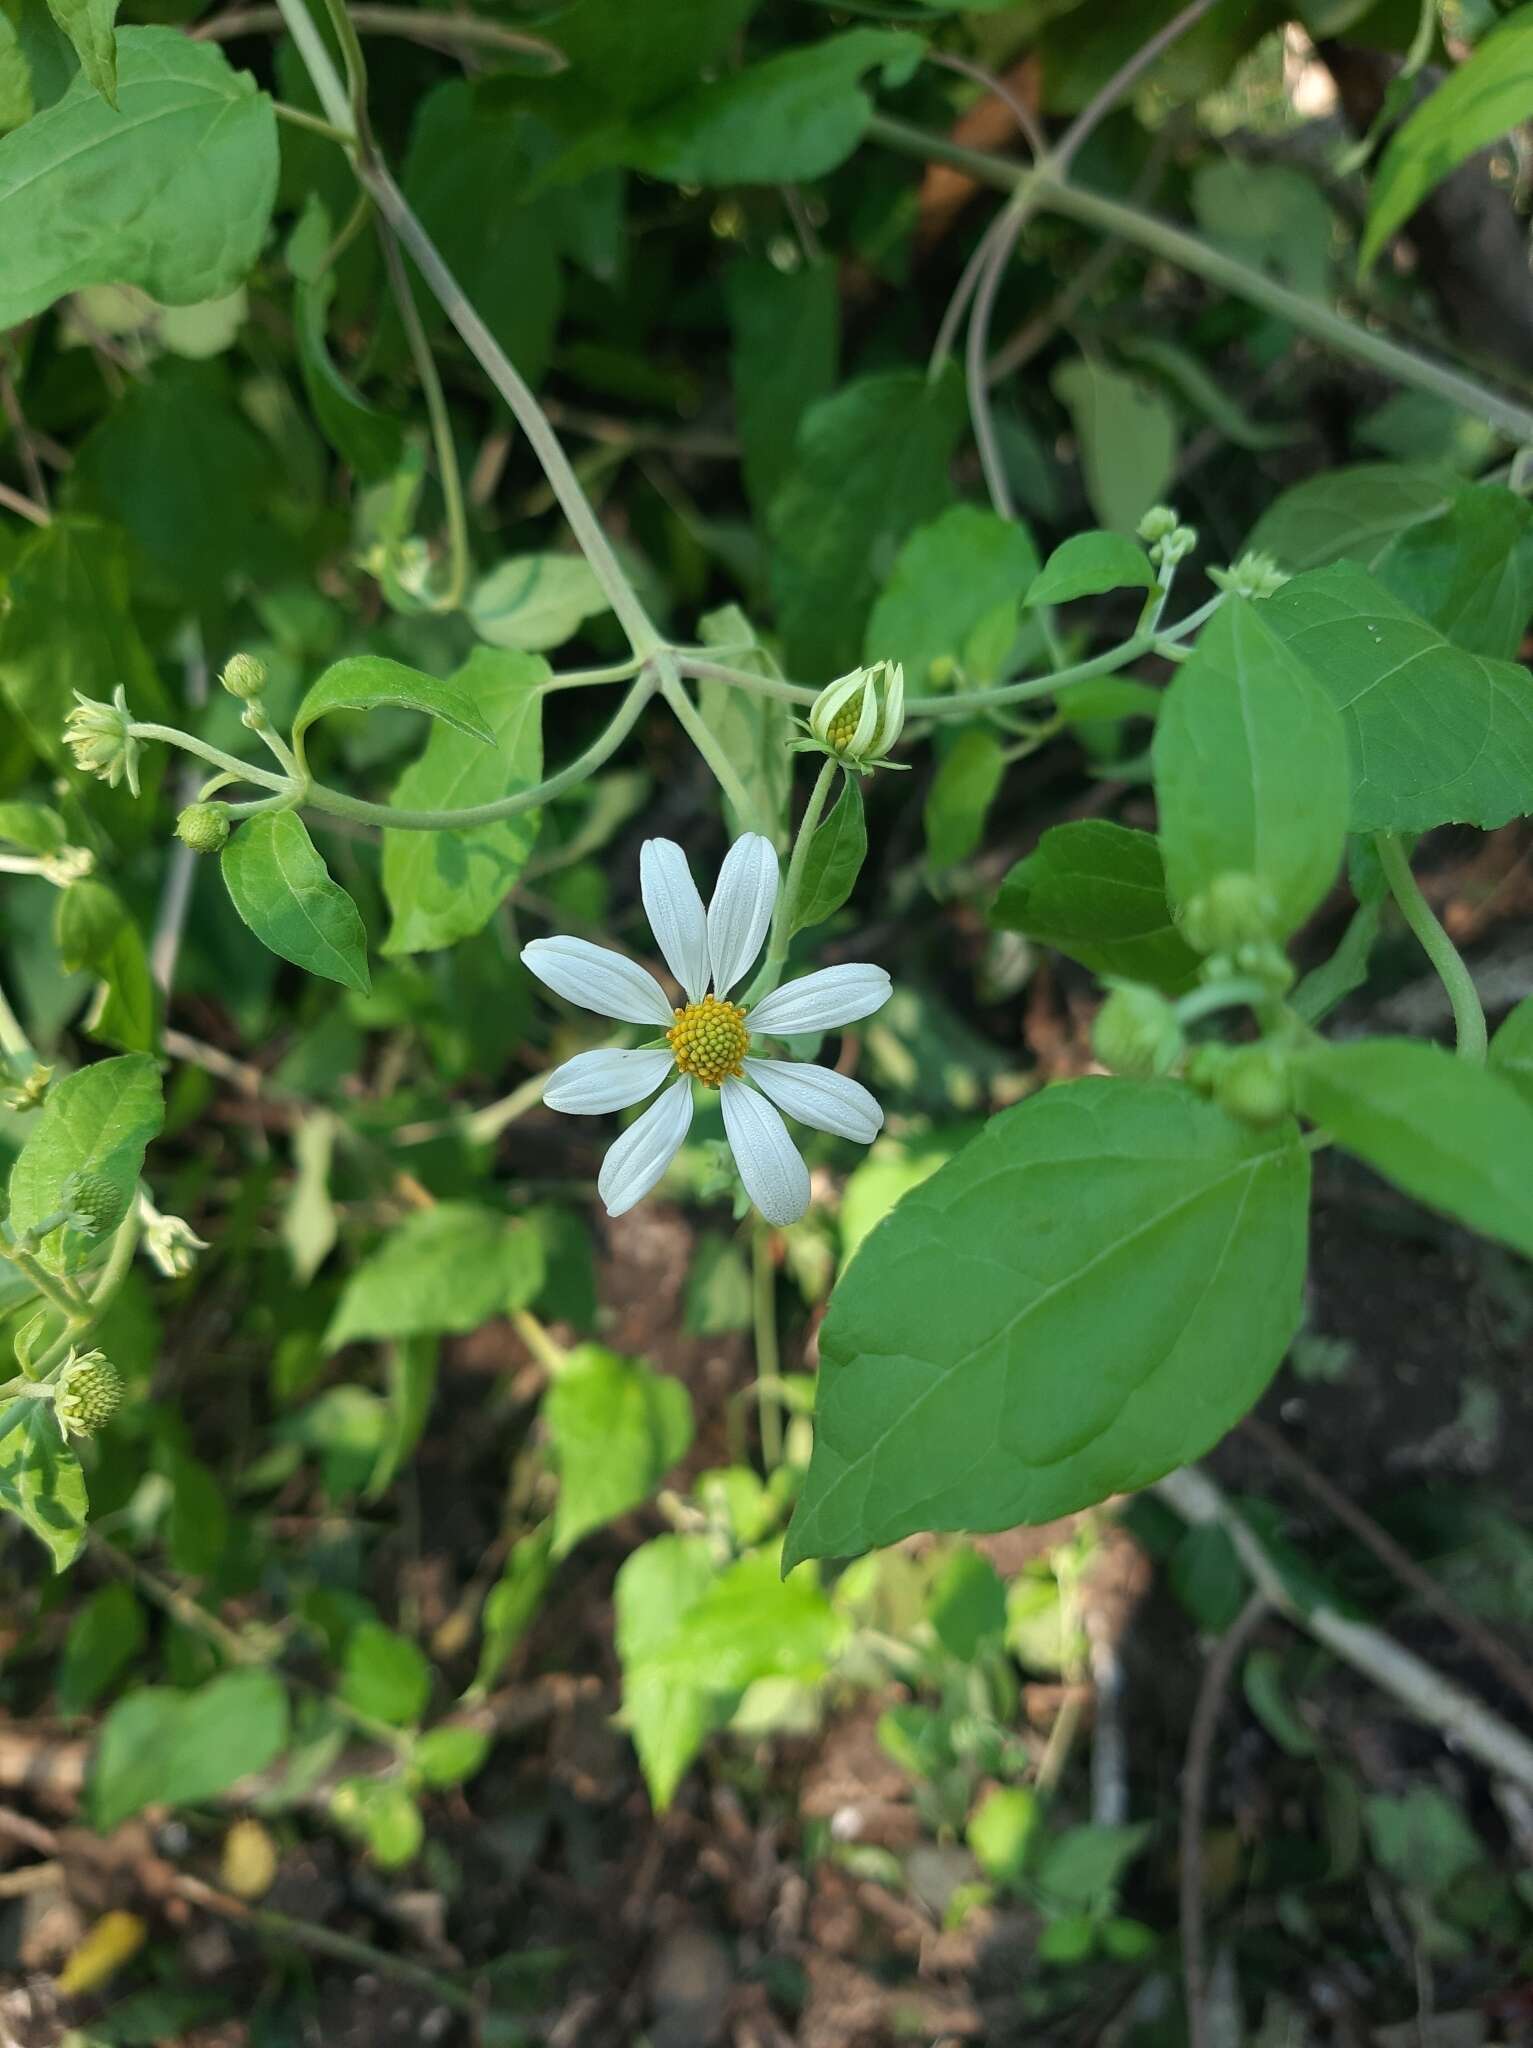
768 1356
13 1039
1468 1013
297 117
1222 995
588 678
319 797
691 664
1176 246
441 423
101 1296
53 1287
787 902
719 765
171 736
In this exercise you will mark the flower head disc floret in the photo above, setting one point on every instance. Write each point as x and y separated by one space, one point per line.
709 1038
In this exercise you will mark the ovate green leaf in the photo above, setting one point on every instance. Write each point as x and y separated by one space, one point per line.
1468 572
96 1121
962 791
617 1428
88 25
951 576
1097 892
385 1675
1087 564
282 889
364 682
445 886
533 602
1091 1292
786 331
753 731
172 189
1250 768
160 1747
1127 436
834 860
1455 1135
448 1268
40 1479
1354 511
105 1636
369 440
92 929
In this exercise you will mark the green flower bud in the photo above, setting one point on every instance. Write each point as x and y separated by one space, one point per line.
1233 911
1205 1063
87 1393
1254 575
98 737
1266 962
170 1241
1177 544
1136 1032
1254 1084
1157 523
95 1204
244 677
203 827
859 717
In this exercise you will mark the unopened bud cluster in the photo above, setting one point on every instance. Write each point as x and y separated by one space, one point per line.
858 718
1137 1032
244 677
87 1393
1169 541
1253 575
96 1205
203 827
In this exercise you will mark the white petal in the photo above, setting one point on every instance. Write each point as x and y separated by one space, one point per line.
598 980
594 1082
775 1177
835 995
639 1158
675 913
741 910
817 1096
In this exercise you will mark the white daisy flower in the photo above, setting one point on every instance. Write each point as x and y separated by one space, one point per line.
709 952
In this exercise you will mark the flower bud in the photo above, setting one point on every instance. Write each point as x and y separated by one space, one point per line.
1157 523
1137 1033
1254 1084
96 1205
87 1393
1254 575
170 1241
859 717
203 827
98 737
244 677
1235 910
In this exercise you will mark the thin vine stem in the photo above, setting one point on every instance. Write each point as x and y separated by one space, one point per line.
690 664
719 765
1018 211
1128 74
172 736
448 473
1468 1011
787 901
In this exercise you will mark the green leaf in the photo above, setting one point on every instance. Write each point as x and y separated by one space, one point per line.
105 1636
371 442
794 116
1489 94
617 1429
1470 571
96 1121
785 327
282 889
1354 511
533 602
88 25
1422 1839
385 1675
364 682
1511 1050
962 791
445 886
636 59
310 1224
1087 564
869 464
445 1269
171 190
69 627
469 164
1267 1697
1347 969
92 929
834 861
160 1747
753 732
1088 1294
1437 735
968 1603
35 828
381 1812
1271 216
451 1754
1000 1831
1455 1135
690 1643
513 1602
1078 1871
1186 375
1250 768
40 1479
16 100
950 577
412 1365
1097 892
1127 437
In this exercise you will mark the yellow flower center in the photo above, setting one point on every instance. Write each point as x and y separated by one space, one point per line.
709 1040
843 727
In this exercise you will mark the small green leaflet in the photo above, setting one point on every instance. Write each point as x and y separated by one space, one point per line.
1088 1294
1250 768
1127 436
1097 892
40 1479
834 860
385 1675
107 1633
88 25
412 1365
1487 96
962 791
1436 735
953 575
35 828
1087 564
1511 1050
96 1121
282 889
92 928
1355 511
162 1747
363 682
1455 1135
535 602
369 440
445 1269
445 886
171 190
617 1428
